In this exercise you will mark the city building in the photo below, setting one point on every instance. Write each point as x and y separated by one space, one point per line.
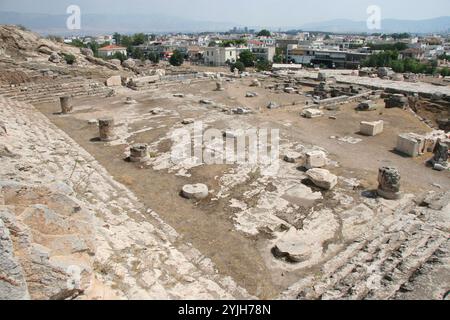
220 56
110 50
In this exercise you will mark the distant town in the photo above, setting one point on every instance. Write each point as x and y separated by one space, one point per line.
244 48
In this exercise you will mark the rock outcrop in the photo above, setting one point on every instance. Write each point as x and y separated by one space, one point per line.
68 230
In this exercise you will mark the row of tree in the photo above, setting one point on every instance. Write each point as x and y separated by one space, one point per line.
391 58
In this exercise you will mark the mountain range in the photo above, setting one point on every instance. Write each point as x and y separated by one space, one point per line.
93 24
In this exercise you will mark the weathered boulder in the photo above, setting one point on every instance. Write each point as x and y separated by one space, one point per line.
385 72
273 105
3 131
54 57
87 52
292 156
367 105
398 77
102 62
322 178
389 183
188 121
397 101
440 158
114 81
130 100
116 62
255 83
45 50
129 63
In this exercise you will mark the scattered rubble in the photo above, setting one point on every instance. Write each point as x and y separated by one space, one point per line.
322 178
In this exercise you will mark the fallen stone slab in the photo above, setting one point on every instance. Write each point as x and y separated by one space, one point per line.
292 157
157 111
273 105
130 100
188 121
195 191
241 110
312 113
322 178
206 101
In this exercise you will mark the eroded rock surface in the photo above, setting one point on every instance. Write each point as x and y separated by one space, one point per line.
68 230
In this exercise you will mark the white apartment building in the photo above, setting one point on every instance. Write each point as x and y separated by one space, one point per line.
219 56
265 53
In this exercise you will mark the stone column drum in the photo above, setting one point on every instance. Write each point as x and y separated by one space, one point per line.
66 104
389 183
106 129
219 86
139 152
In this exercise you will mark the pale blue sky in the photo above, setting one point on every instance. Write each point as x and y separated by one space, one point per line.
244 12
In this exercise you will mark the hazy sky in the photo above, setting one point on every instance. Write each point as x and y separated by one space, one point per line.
244 12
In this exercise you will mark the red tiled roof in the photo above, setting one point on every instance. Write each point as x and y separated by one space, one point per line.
112 47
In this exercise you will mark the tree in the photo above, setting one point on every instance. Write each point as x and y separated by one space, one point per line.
445 72
238 65
264 33
247 58
117 38
153 57
118 55
278 58
94 46
263 65
138 39
137 53
176 59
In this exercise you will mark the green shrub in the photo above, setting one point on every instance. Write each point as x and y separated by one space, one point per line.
70 58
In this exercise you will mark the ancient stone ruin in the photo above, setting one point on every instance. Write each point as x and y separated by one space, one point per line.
106 129
66 105
389 183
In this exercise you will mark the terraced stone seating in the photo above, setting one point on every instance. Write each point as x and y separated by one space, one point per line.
49 91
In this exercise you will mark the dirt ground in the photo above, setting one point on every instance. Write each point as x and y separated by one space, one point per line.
208 225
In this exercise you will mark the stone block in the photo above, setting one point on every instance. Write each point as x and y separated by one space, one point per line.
315 159
410 144
312 113
372 128
114 81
